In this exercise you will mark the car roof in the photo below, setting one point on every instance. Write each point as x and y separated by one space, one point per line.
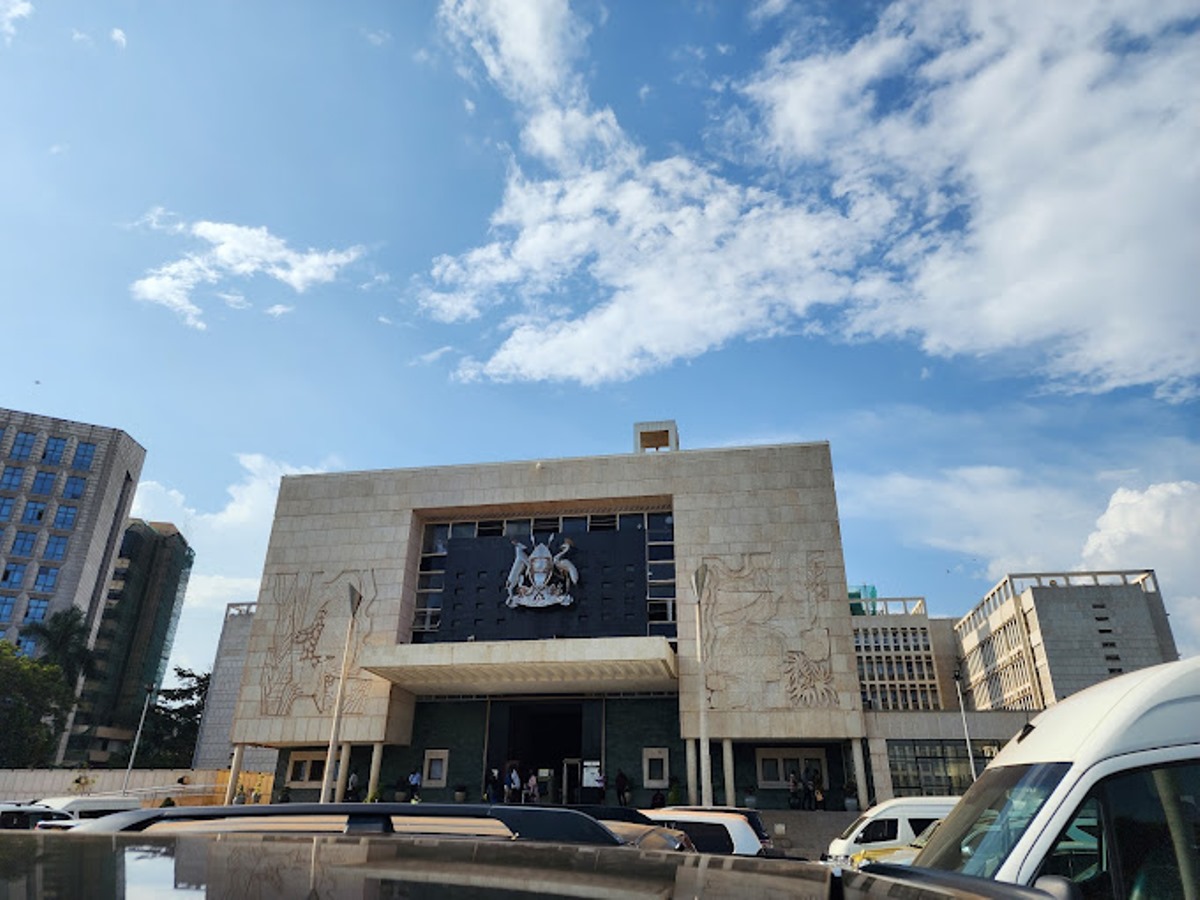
527 823
1158 706
895 802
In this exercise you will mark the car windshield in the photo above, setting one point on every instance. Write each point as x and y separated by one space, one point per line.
990 818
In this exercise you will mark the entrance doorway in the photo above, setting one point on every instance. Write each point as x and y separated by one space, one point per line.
539 738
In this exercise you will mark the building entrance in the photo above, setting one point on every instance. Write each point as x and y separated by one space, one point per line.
548 738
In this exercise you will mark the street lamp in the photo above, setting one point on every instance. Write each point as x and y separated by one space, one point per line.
327 777
962 709
137 738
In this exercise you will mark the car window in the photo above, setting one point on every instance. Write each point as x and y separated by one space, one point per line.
14 819
880 830
1135 836
707 837
919 825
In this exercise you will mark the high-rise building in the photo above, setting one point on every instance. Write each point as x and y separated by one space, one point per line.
1038 637
66 489
137 628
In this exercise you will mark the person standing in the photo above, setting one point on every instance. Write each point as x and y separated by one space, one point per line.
622 786
809 798
414 786
533 792
513 786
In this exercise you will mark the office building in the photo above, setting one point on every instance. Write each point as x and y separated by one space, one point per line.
137 630
678 616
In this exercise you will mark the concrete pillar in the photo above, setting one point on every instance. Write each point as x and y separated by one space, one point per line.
706 792
727 765
339 794
860 772
690 746
376 765
235 772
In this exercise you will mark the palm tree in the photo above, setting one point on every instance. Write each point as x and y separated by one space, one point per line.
64 642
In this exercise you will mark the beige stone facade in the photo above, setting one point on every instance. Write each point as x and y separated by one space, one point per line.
739 645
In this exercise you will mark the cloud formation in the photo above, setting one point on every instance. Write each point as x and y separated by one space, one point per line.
985 181
231 251
117 36
1161 526
10 12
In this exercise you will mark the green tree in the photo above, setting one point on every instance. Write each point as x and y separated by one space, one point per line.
172 724
63 639
34 703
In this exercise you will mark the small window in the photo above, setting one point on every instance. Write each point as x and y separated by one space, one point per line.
14 575
56 547
43 483
26 646
84 454
73 489
656 767
437 763
53 453
35 511
12 478
47 578
7 602
306 768
22 445
6 508
65 517
23 543
36 610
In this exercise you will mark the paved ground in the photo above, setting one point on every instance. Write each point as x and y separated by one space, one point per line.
805 834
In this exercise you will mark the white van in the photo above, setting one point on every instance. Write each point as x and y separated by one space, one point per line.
91 806
892 823
1096 797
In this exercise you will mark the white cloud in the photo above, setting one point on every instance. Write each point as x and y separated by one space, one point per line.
230 545
10 12
117 36
58 149
234 300
278 310
233 251
1009 521
1157 528
644 93
469 106
431 357
80 37
1029 197
377 38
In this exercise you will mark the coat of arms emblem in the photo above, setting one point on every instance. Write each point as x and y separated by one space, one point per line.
541 577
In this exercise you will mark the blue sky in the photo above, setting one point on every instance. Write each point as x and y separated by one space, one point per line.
956 240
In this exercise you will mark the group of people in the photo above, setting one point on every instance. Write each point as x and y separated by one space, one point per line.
512 788
805 792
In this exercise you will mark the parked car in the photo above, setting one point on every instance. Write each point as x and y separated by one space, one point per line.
897 856
25 816
91 806
649 837
1095 797
750 815
712 831
889 825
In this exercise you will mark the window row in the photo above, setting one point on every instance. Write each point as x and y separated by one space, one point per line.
891 639
13 577
34 513
44 482
53 452
35 609
24 541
